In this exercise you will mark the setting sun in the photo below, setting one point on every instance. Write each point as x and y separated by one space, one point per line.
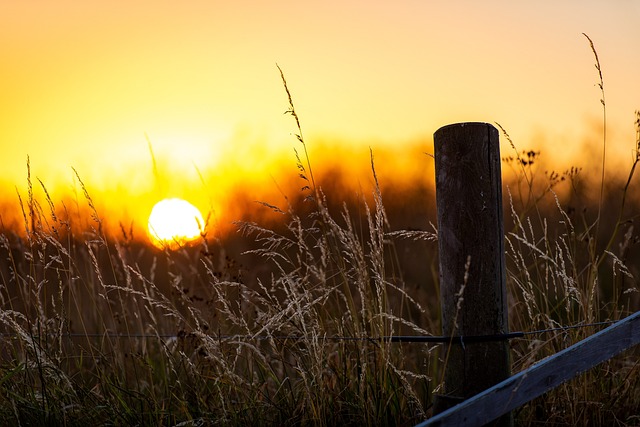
174 222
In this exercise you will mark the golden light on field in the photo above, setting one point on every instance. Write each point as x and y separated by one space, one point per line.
175 222
91 85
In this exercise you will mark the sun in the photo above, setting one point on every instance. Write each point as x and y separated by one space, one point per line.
174 223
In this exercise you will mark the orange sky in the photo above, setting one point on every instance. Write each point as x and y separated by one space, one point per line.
81 83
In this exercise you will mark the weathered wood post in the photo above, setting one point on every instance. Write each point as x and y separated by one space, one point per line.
472 260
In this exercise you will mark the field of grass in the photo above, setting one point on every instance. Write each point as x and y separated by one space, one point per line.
278 324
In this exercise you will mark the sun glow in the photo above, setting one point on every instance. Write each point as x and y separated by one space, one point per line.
174 223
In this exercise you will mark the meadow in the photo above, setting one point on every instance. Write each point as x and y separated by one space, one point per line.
279 322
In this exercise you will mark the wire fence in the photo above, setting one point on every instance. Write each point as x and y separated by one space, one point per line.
429 339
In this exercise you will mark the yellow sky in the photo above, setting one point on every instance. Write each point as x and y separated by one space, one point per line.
82 82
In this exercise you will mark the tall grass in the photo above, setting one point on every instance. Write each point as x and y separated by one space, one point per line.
100 331
570 268
113 332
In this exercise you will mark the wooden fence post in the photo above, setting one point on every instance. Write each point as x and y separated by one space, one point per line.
541 377
472 260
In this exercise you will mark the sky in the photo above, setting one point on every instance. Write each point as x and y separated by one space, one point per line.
106 88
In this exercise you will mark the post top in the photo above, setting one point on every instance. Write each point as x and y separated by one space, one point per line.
464 124
467 128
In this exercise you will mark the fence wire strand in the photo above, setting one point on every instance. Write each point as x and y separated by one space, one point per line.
432 339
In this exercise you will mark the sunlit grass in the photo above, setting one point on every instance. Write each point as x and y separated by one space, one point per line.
149 337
